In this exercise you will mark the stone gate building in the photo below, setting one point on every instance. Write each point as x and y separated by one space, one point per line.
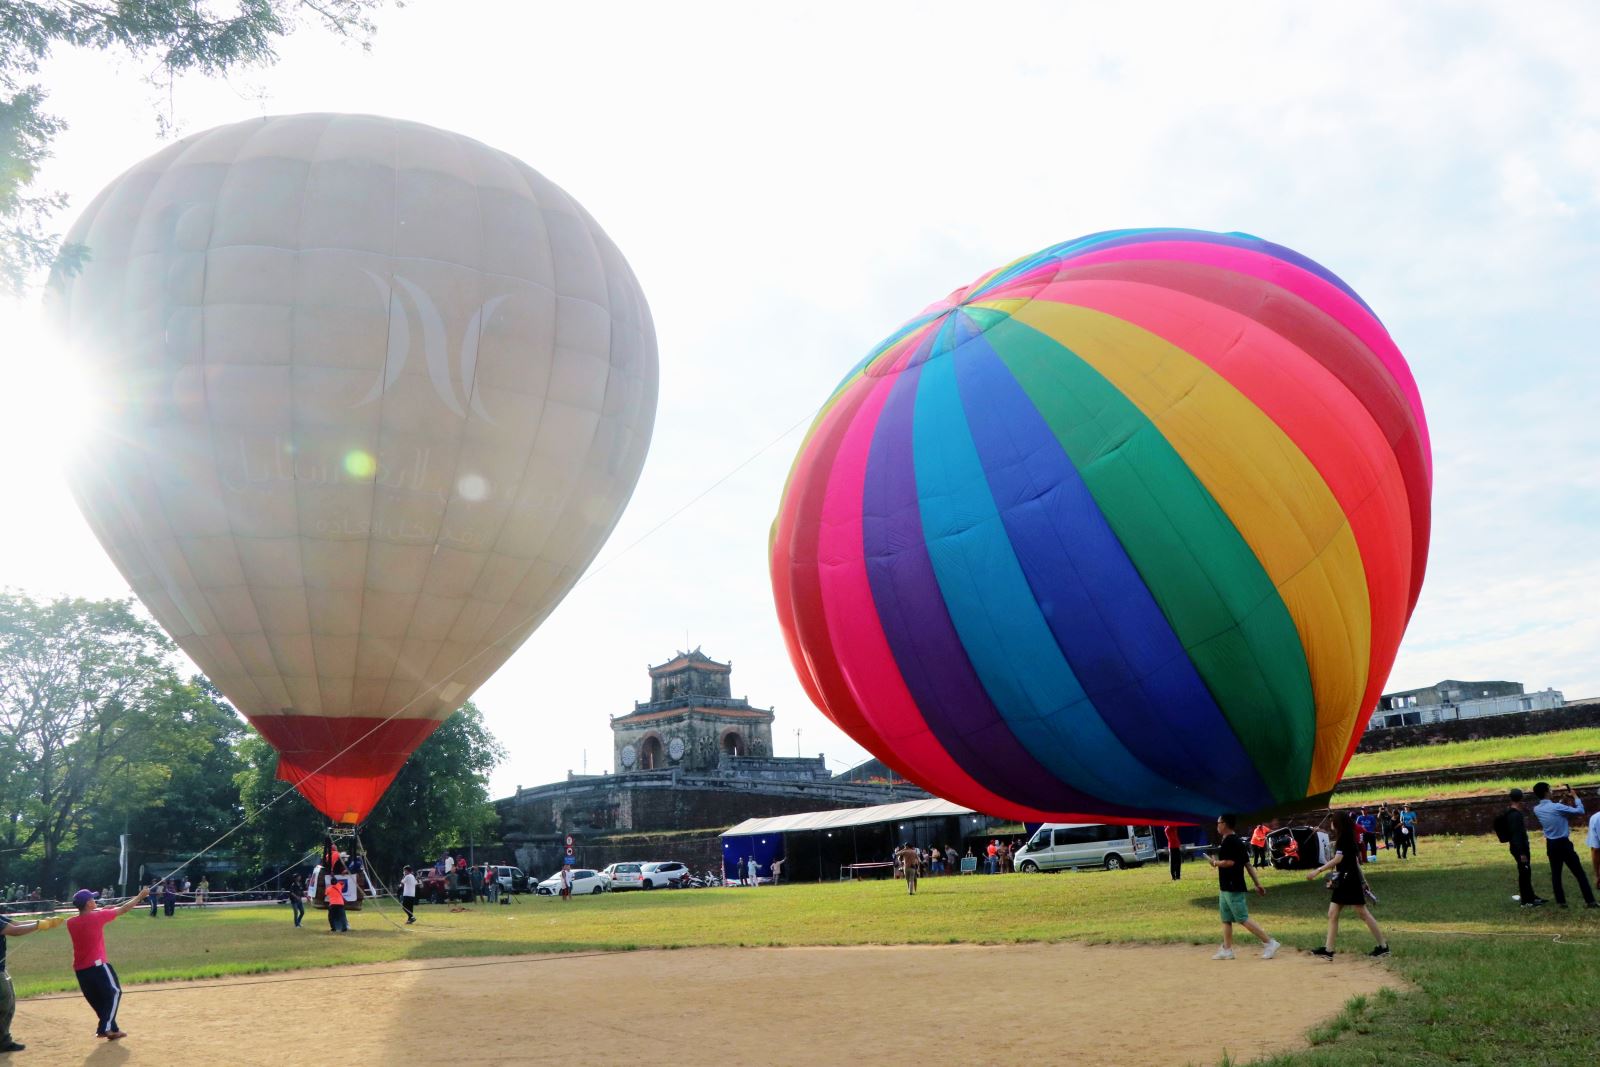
690 762
691 721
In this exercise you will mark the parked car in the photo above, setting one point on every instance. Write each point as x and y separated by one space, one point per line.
1312 848
511 879
664 874
625 875
584 883
1057 846
436 888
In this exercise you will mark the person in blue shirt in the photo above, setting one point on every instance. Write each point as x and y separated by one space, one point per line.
1553 820
1369 833
1408 819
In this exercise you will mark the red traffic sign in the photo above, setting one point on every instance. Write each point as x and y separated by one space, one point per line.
569 842
569 850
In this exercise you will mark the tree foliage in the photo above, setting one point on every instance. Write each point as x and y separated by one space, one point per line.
79 681
177 36
99 735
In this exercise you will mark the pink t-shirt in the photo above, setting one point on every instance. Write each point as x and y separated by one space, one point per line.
89 937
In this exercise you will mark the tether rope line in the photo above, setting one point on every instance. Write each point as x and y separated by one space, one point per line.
224 982
249 818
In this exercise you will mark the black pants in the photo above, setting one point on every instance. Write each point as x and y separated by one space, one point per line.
1402 845
336 919
1175 862
104 994
1413 836
1524 879
409 906
1562 854
8 1006
1259 854
168 908
299 907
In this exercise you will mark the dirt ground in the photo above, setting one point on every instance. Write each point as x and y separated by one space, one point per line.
1149 1005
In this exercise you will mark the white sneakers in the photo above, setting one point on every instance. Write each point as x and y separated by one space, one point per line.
1268 950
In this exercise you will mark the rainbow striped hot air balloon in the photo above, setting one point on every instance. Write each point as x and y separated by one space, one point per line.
1131 527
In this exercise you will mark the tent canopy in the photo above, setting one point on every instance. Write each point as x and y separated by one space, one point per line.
848 817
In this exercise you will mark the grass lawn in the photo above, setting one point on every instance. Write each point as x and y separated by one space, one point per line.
1468 753
1493 984
1441 790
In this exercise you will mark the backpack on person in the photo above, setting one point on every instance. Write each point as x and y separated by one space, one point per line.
1502 826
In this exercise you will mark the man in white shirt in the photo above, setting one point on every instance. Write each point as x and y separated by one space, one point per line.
408 895
1594 844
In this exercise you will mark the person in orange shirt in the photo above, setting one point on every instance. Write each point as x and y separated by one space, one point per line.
334 896
1258 844
1291 850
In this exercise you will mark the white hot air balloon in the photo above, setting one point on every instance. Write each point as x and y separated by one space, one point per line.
377 395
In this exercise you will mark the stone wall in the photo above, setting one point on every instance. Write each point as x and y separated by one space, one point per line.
666 801
1455 815
1517 724
1548 769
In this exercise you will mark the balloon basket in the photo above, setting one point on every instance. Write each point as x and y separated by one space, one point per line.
342 859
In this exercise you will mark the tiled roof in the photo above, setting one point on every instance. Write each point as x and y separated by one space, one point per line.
696 659
669 713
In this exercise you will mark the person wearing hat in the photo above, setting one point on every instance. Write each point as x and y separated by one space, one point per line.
96 977
1516 830
8 996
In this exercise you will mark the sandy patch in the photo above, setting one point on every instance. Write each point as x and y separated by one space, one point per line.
1151 1006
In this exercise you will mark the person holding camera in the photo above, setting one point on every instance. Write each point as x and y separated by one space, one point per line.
1554 821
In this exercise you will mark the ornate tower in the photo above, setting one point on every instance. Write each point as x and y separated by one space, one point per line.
691 721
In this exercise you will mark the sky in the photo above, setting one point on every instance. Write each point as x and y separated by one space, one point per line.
790 185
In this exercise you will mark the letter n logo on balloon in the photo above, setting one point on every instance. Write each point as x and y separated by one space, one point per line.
453 384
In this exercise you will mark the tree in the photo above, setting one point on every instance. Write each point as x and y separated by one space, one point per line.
439 799
81 684
181 36
175 793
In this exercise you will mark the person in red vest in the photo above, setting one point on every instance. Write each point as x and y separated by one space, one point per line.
334 896
1258 845
96 977
1174 852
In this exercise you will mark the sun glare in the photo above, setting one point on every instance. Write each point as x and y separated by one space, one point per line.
47 409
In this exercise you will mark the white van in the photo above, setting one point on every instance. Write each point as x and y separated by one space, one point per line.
1058 845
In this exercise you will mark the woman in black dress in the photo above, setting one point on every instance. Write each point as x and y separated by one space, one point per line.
1349 887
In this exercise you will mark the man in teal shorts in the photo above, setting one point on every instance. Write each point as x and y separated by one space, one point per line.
1232 864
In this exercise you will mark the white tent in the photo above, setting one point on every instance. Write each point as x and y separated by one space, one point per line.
848 817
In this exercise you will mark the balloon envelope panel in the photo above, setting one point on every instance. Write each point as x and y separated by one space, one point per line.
1130 527
375 395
